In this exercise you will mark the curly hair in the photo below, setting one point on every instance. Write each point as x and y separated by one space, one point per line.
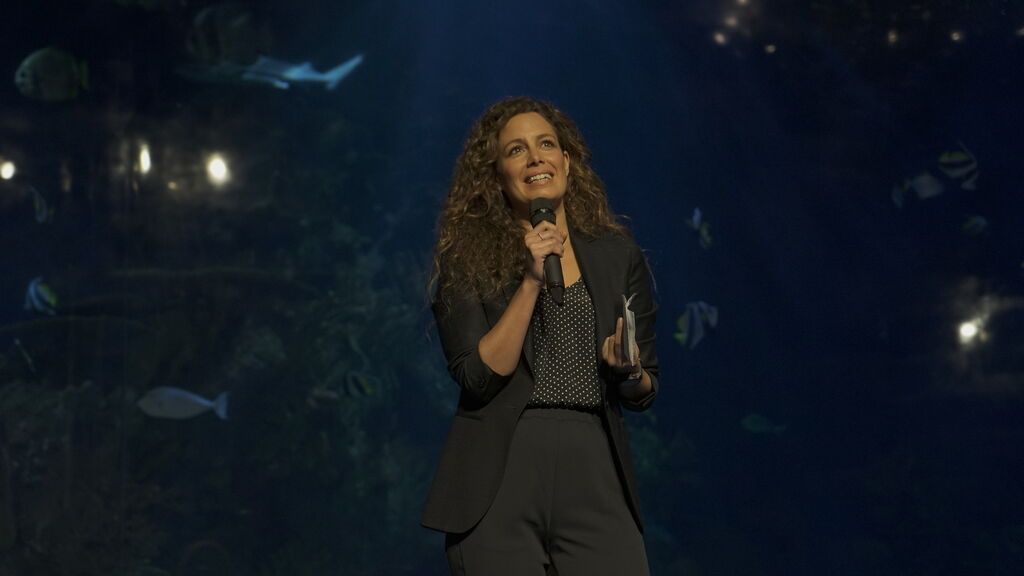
480 245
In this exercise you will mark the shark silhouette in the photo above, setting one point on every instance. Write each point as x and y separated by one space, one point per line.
277 73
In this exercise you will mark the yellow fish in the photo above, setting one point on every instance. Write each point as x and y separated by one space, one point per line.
960 164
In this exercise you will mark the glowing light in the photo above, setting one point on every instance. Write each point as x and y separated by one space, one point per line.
217 169
892 37
743 2
7 170
971 331
731 21
145 162
769 49
956 36
1020 31
720 39
968 330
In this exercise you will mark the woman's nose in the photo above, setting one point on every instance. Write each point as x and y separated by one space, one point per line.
534 156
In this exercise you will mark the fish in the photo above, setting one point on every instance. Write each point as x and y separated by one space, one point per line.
701 227
52 75
758 424
176 403
358 384
925 185
960 165
691 323
321 394
898 193
974 225
276 73
39 297
44 213
25 355
226 32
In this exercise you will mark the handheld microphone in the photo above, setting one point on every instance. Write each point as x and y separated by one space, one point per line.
541 210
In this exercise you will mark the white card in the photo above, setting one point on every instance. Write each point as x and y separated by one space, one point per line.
629 351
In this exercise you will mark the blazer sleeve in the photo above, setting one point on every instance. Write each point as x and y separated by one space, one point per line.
646 310
461 323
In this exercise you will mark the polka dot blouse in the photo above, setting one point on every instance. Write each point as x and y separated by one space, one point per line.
565 356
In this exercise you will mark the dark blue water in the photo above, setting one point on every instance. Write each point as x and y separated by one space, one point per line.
833 422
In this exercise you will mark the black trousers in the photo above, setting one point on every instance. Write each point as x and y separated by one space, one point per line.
561 508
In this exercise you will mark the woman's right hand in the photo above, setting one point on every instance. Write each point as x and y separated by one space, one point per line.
542 240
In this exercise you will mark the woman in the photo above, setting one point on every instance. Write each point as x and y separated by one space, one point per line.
536 476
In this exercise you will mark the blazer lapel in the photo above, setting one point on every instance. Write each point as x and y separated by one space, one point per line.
594 269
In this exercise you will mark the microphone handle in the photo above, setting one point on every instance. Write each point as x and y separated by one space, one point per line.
553 277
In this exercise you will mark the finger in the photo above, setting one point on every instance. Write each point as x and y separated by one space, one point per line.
550 246
531 239
606 350
545 226
548 230
609 352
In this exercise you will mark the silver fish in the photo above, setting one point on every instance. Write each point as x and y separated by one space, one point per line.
926 186
171 402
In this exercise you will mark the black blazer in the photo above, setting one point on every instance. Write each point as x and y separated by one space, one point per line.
473 458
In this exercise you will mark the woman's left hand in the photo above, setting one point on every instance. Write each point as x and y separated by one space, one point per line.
611 351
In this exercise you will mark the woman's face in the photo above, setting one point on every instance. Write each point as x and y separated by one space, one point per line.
531 162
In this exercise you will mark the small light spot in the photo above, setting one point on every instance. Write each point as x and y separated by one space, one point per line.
769 49
743 2
720 39
956 36
1020 32
971 331
217 169
145 161
731 21
7 170
892 37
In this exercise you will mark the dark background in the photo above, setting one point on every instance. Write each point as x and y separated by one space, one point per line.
892 447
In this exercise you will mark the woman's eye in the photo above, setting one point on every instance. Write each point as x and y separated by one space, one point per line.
547 144
514 150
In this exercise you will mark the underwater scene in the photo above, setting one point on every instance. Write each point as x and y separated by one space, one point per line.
217 350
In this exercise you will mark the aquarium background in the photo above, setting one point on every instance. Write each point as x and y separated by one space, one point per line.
853 405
